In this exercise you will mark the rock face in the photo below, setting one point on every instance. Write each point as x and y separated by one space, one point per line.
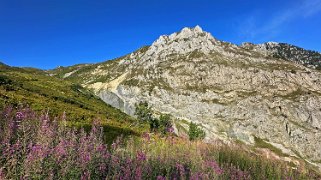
288 52
241 92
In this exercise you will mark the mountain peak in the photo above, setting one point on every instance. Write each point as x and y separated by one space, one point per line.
196 30
188 32
184 41
272 43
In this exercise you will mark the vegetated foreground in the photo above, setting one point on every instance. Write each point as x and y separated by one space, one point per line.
33 146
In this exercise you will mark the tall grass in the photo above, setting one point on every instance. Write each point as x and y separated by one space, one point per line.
34 146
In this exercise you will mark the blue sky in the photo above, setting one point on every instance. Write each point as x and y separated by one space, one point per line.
49 33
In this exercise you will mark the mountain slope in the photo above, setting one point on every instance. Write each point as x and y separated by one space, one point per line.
235 92
35 88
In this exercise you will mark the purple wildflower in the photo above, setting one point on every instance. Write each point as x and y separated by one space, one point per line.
2 175
19 115
138 173
170 129
196 176
102 167
60 151
160 178
146 137
85 175
140 156
180 168
214 166
7 111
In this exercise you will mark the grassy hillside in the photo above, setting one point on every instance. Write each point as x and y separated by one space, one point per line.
35 88
99 72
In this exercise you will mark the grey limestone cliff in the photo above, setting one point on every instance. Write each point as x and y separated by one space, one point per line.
235 92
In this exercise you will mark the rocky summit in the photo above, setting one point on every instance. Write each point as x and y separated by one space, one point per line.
270 92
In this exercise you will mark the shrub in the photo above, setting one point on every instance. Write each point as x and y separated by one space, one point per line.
166 124
4 80
154 124
195 132
143 112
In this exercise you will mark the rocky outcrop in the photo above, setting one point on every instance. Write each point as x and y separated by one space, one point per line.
239 92
288 52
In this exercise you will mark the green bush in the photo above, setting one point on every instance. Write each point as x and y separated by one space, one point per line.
4 80
195 132
165 123
144 114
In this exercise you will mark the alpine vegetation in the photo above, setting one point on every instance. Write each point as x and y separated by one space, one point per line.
35 146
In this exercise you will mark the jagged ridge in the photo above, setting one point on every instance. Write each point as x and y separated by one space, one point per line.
288 52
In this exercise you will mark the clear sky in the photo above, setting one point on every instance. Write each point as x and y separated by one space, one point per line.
49 33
